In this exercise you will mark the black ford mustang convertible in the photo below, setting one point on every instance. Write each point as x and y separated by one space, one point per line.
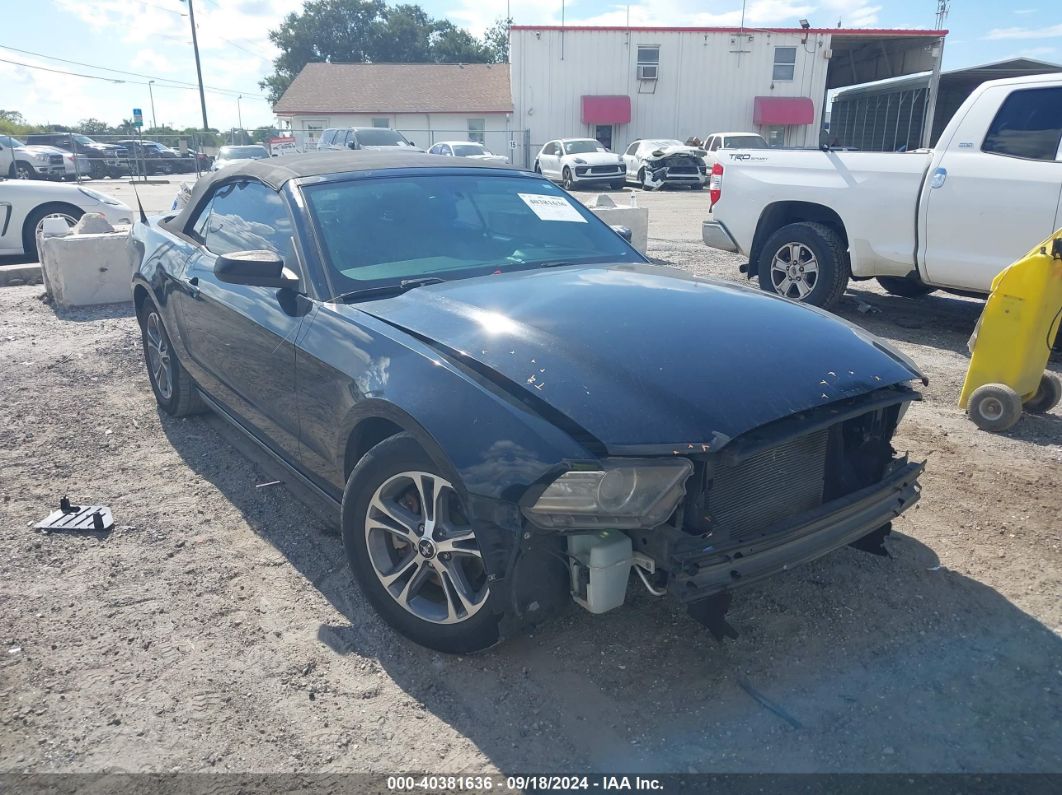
508 407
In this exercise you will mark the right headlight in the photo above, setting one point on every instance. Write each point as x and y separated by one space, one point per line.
623 494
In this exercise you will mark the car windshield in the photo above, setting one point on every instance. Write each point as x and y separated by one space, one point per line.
743 142
381 231
380 137
243 153
583 146
469 150
8 141
83 140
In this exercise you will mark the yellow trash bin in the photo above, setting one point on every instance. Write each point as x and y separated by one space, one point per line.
1012 342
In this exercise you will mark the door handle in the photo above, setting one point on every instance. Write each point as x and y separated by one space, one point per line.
192 285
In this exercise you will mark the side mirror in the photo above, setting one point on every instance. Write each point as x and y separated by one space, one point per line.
255 269
352 145
624 232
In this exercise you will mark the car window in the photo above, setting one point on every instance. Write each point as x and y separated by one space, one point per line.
582 147
380 231
381 137
1028 124
245 216
469 150
743 142
633 147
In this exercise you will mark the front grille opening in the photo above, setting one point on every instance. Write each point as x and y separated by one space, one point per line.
754 496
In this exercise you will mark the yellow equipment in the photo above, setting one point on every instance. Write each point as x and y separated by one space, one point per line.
1012 342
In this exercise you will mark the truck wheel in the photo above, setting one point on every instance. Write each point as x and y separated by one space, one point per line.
1048 395
994 407
99 171
905 288
413 549
24 171
805 262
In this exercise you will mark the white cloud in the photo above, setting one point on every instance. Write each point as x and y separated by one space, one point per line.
1025 33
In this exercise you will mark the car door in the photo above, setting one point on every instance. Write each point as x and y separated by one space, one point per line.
238 339
989 202
549 160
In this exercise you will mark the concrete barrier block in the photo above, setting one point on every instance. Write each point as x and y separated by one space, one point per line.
634 218
83 270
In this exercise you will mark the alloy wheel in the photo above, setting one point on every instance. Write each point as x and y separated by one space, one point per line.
423 549
158 354
70 221
794 271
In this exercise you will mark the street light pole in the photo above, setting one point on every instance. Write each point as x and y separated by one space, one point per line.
198 66
239 113
152 95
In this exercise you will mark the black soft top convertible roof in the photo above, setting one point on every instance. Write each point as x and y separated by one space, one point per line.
276 171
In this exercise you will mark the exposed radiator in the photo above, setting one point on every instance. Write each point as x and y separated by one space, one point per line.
746 499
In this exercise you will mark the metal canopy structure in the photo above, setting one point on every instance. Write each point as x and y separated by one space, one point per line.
891 114
862 56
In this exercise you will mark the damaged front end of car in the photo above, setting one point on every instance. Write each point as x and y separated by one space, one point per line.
675 166
710 519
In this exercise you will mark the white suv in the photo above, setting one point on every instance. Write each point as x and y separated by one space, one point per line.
579 161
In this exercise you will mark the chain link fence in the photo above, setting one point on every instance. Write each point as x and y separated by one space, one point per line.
136 156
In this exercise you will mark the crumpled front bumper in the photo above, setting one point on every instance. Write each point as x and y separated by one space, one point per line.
803 539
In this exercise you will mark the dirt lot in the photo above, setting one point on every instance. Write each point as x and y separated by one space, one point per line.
217 628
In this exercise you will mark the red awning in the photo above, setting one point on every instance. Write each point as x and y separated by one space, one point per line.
606 109
783 110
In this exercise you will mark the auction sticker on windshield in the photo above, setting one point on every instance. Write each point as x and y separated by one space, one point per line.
551 208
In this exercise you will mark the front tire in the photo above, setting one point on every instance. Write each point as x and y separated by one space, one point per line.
566 179
618 184
994 407
174 389
805 262
413 549
905 288
24 171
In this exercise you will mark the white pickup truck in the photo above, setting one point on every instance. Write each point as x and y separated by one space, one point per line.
949 218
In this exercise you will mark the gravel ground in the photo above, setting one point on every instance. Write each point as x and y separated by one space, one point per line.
217 627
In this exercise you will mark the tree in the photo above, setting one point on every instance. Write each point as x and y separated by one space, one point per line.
496 41
369 31
93 127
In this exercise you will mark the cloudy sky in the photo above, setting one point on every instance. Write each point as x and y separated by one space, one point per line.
152 39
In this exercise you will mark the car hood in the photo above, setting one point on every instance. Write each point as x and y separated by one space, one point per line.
643 357
41 149
595 158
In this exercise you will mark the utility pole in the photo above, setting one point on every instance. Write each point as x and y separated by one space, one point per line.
198 66
239 114
152 95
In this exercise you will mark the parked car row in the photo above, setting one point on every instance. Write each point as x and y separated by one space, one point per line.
19 160
72 155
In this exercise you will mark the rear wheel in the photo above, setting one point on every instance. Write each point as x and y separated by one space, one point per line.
414 551
99 171
35 223
805 262
905 288
994 407
1048 395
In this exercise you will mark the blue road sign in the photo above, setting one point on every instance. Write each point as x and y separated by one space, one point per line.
138 117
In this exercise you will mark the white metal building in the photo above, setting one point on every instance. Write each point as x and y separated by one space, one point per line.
425 102
619 84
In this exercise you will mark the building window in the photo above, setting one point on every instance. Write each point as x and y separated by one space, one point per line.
648 61
477 130
381 123
784 63
775 136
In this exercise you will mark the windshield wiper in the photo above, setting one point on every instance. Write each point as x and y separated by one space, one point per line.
386 289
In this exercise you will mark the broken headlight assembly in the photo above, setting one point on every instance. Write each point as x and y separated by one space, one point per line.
623 494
